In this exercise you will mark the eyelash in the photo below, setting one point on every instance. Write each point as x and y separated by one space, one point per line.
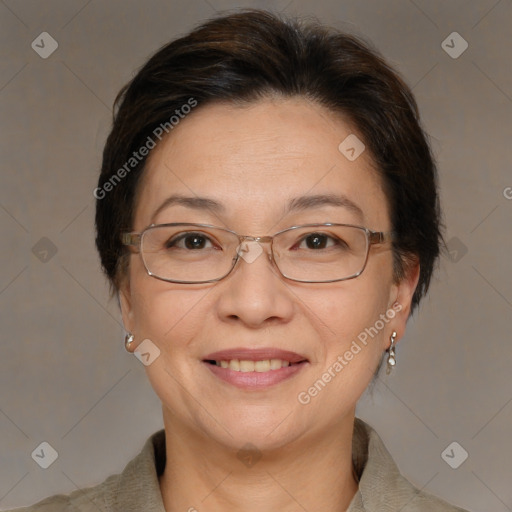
173 242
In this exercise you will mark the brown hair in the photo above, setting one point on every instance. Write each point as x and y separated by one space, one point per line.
253 54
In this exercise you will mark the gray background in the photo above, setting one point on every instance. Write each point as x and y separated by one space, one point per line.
64 375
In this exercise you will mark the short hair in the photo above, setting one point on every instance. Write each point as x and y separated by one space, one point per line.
250 55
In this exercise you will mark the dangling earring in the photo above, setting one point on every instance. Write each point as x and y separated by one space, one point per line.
391 353
128 340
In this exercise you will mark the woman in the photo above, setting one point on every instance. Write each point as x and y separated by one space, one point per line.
267 215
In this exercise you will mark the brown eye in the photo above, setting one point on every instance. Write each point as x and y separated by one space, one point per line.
191 241
316 241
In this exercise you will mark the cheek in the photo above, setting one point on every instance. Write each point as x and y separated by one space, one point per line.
168 316
349 358
173 320
346 309
156 307
352 323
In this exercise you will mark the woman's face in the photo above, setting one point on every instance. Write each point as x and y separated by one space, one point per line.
253 161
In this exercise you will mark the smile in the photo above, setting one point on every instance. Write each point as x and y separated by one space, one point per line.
255 368
244 365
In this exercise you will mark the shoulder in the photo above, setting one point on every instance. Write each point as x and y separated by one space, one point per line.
423 502
382 487
136 488
91 499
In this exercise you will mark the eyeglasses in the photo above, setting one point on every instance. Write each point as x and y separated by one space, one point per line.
200 253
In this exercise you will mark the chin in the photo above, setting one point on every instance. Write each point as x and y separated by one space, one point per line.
265 427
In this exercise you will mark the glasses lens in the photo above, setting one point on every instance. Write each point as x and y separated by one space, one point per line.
194 253
321 253
188 253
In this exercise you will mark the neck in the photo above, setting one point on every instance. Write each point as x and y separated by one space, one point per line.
307 474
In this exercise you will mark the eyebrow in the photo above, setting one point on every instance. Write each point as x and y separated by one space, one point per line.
307 202
195 203
319 200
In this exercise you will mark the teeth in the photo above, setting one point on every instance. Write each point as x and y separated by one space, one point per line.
245 366
275 364
262 366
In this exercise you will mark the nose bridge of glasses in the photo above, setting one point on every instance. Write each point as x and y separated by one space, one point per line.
250 247
259 239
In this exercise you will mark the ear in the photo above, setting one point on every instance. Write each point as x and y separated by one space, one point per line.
401 296
126 305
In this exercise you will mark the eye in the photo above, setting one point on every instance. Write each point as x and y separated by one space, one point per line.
190 240
316 241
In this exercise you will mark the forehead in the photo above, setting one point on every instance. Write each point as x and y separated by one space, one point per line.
255 160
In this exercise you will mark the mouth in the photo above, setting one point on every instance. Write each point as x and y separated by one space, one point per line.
256 368
246 365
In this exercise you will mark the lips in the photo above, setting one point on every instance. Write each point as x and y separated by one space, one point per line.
254 368
257 354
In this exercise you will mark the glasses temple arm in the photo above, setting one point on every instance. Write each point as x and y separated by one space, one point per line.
380 237
131 239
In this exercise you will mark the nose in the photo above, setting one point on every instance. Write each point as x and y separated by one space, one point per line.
255 293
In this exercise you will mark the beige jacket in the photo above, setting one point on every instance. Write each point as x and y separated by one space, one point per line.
136 489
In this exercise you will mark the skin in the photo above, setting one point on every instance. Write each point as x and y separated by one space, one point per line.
253 159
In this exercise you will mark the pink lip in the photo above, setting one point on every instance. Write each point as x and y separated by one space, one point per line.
255 380
255 354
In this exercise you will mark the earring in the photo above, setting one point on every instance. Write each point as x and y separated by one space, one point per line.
128 340
391 353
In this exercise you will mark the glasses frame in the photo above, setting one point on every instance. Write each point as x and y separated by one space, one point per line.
133 240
